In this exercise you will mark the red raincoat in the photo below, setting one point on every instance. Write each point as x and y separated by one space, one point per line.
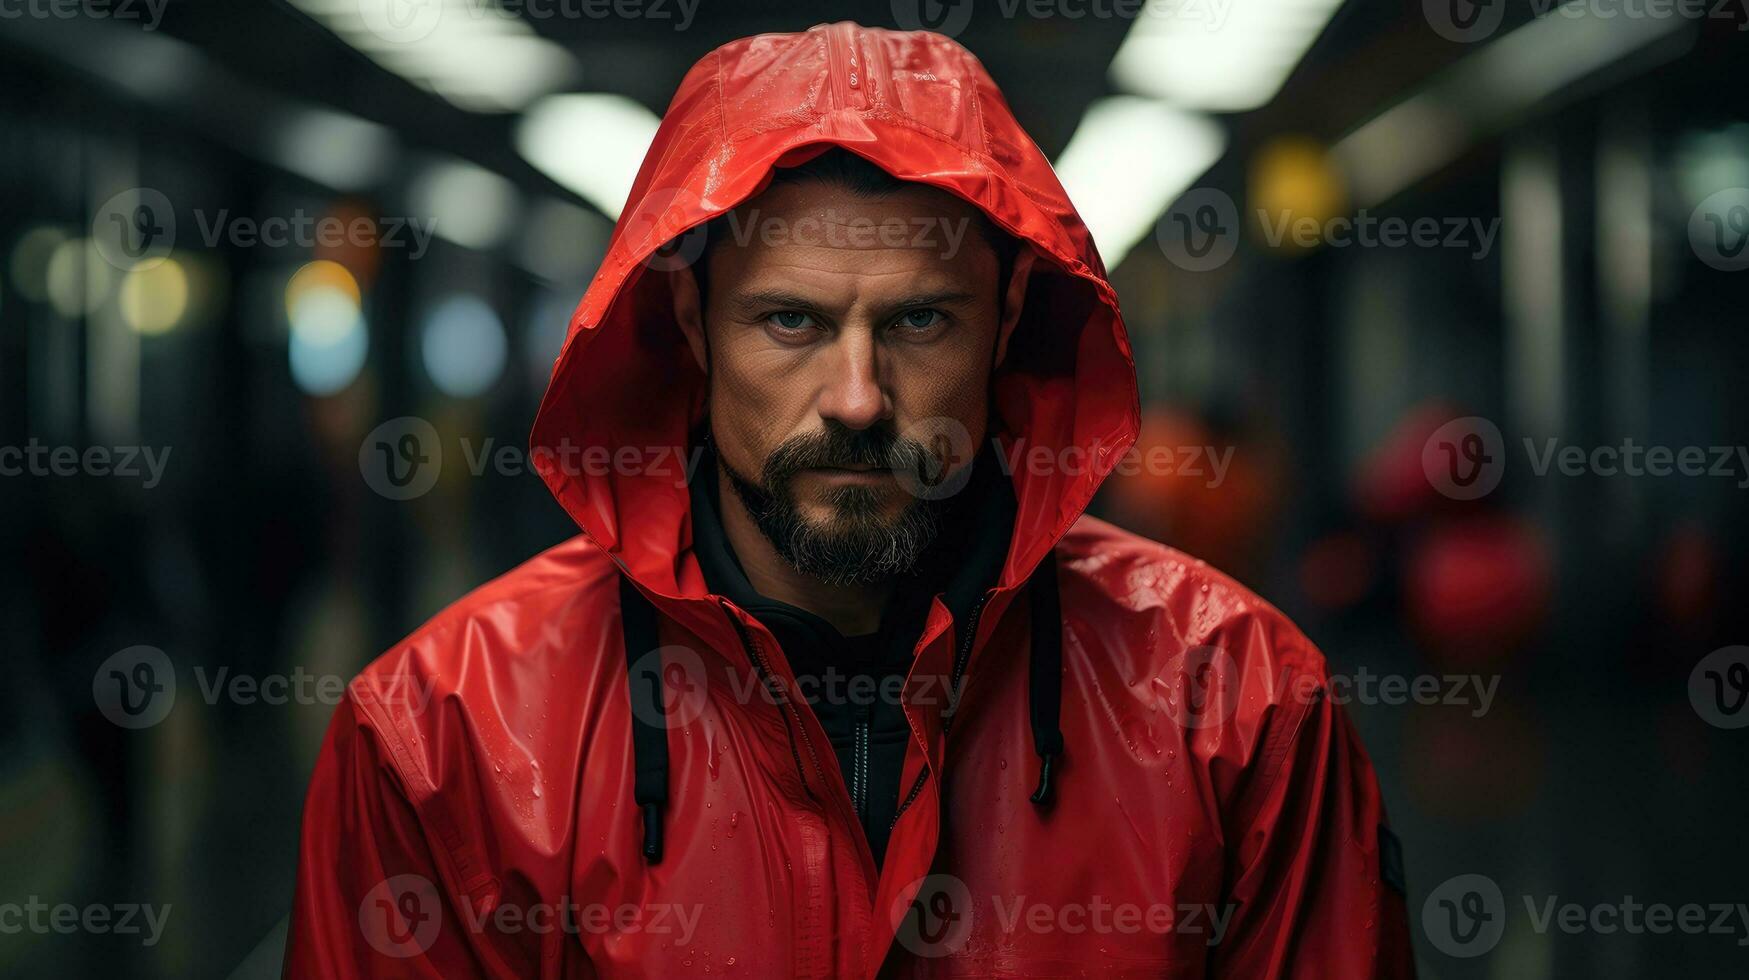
472 814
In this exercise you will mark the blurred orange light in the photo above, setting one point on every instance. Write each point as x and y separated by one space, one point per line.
1292 183
317 276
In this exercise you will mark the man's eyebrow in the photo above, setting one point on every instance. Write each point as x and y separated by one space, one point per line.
946 297
768 298
771 298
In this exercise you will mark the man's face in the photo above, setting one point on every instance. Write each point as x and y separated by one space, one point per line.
848 340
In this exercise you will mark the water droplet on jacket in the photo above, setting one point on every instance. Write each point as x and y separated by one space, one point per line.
1002 763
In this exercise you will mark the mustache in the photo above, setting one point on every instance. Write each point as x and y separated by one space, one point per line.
838 446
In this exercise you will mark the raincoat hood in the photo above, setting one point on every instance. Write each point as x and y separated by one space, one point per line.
922 108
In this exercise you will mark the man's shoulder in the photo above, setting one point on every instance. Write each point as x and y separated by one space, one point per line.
1145 581
534 620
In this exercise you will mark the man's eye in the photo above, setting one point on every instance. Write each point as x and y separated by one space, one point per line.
920 319
790 320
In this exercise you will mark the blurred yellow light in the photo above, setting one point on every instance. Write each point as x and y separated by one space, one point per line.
154 299
322 275
30 261
78 277
1293 184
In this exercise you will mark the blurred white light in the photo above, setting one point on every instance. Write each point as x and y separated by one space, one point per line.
561 242
592 144
1219 57
473 53
1129 159
466 204
30 261
1709 162
328 341
333 148
79 278
463 345
1483 93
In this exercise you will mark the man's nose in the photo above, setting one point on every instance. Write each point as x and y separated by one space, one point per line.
852 393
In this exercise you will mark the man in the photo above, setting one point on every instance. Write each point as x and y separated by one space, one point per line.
838 680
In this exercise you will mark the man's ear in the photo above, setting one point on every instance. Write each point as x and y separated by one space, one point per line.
683 285
1014 298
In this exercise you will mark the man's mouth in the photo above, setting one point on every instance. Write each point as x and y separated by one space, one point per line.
852 472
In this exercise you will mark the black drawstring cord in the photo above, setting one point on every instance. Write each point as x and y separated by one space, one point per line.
649 721
1045 674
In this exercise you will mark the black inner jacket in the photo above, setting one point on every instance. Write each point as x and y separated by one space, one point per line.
853 682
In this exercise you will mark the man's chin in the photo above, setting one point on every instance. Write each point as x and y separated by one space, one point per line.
842 511
858 545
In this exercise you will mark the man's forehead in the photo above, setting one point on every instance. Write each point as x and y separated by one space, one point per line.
817 230
820 199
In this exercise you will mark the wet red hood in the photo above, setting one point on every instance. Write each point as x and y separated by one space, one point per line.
922 108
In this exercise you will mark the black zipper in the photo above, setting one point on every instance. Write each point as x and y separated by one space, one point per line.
959 666
859 762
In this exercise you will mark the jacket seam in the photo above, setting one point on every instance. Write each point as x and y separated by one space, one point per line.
971 73
722 109
1273 761
465 871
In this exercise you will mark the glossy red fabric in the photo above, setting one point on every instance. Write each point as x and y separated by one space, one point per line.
478 778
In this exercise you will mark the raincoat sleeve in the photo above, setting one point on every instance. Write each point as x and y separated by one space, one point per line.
371 899
1315 875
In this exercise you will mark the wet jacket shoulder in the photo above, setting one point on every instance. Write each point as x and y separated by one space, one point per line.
426 790
1283 782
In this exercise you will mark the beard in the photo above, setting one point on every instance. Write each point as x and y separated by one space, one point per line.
858 544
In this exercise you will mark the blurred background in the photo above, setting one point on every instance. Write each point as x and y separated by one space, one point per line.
1418 291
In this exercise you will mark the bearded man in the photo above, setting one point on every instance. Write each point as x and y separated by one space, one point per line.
854 688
